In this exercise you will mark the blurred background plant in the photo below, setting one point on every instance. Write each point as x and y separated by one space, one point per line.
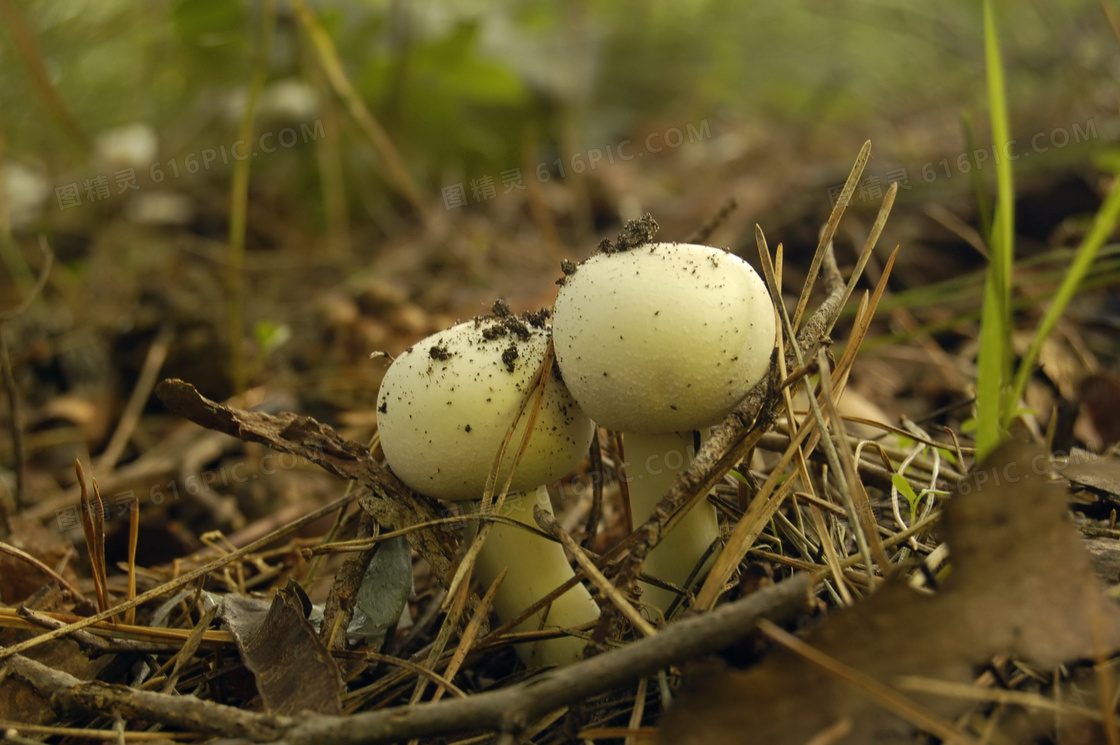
525 133
464 87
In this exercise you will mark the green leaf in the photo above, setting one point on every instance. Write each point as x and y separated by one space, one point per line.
270 336
905 489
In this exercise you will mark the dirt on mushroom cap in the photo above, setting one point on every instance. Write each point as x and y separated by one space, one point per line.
443 417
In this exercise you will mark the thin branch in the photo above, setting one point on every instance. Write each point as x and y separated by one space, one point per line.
141 392
22 555
511 710
186 712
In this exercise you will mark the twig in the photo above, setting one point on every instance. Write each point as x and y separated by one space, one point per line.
93 525
595 514
92 644
186 712
15 417
22 555
704 232
470 633
133 541
141 392
40 283
824 245
332 66
32 57
339 608
512 709
239 204
508 710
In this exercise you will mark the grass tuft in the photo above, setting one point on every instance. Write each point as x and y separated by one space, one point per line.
994 358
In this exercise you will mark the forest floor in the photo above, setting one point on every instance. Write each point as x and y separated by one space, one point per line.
189 511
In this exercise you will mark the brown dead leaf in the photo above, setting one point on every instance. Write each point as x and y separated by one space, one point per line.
1099 395
1098 474
293 669
1021 585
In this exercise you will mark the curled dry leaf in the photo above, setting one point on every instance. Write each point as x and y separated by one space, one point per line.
1021 585
293 670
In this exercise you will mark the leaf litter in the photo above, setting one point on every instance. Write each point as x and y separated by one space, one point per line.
1020 586
984 614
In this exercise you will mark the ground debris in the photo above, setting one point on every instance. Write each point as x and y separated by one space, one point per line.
293 670
1020 585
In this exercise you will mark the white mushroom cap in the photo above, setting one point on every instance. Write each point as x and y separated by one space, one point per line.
663 337
445 405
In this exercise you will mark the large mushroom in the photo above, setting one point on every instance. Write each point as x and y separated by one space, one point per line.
444 407
656 341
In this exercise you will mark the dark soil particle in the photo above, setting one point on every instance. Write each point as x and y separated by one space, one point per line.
633 234
509 356
537 319
496 331
501 308
438 352
504 323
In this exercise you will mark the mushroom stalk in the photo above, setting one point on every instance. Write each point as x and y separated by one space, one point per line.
535 567
653 462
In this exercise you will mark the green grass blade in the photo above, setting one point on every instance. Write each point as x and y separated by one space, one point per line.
1103 224
979 185
993 359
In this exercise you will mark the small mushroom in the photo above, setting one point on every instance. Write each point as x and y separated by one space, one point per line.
657 341
442 421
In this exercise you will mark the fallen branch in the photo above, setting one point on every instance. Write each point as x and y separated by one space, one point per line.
511 710
185 712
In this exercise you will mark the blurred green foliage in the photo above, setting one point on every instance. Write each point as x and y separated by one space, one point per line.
463 85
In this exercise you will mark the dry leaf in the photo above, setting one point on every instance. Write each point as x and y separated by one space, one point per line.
1100 399
293 669
1098 474
1021 585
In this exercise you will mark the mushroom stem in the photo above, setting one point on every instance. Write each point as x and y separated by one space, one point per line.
652 464
536 566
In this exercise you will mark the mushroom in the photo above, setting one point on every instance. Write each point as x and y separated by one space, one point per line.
444 408
656 341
